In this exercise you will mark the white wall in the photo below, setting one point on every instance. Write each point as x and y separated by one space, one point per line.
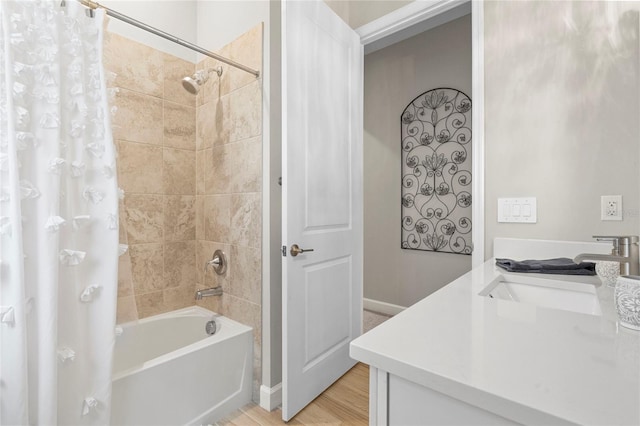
393 77
176 17
208 23
562 115
220 22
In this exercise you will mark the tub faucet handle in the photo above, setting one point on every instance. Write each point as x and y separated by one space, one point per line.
218 263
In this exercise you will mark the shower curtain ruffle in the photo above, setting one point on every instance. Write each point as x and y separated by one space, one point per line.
58 217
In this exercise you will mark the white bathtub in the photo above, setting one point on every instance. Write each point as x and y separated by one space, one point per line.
168 371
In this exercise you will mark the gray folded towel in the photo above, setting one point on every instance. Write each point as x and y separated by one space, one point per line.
560 266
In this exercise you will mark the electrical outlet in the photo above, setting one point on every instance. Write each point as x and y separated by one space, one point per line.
611 207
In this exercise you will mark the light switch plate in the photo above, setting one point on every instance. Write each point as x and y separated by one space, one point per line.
517 210
611 207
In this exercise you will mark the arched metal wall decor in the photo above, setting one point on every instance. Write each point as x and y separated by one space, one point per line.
436 172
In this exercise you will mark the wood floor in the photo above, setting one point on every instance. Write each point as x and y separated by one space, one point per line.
346 402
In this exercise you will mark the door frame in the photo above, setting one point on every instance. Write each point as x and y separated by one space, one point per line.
420 16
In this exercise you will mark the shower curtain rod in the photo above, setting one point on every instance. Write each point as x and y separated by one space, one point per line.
93 5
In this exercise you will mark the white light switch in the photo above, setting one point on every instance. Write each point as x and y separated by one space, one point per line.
517 210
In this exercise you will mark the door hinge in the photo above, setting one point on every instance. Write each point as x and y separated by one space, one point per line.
284 251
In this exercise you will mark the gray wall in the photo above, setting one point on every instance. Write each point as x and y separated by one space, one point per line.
360 12
393 77
562 115
275 203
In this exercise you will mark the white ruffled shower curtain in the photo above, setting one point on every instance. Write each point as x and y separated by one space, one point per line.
58 217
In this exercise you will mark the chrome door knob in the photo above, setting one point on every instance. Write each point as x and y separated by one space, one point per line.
296 250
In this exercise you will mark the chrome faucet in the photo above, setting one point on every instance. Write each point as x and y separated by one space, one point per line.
625 251
215 291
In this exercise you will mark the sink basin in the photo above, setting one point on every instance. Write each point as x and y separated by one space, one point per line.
547 293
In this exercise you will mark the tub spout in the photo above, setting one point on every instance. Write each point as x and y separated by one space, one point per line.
215 291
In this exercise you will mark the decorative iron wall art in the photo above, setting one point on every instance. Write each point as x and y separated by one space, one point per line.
436 172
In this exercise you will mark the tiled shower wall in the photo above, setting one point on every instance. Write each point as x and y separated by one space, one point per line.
155 133
191 169
229 183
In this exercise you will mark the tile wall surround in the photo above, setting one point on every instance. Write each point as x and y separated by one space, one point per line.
154 130
229 185
191 169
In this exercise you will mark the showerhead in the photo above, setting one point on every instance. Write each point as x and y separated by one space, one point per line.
192 83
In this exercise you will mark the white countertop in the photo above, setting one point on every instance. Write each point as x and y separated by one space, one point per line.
527 363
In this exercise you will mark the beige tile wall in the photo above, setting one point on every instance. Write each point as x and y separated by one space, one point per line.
191 169
229 184
154 127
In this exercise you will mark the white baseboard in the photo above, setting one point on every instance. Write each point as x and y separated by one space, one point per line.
270 398
382 307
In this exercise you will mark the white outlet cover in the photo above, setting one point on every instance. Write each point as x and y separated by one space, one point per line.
611 207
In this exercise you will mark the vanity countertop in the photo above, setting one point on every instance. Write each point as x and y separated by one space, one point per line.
530 364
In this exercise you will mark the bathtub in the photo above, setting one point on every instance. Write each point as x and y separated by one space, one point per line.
168 371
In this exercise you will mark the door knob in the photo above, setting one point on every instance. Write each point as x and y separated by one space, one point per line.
295 250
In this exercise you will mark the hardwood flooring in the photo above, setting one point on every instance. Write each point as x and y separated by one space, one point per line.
346 402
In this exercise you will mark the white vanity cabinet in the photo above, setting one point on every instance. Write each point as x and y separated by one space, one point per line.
397 401
461 357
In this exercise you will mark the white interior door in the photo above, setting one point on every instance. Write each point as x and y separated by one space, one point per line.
322 199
